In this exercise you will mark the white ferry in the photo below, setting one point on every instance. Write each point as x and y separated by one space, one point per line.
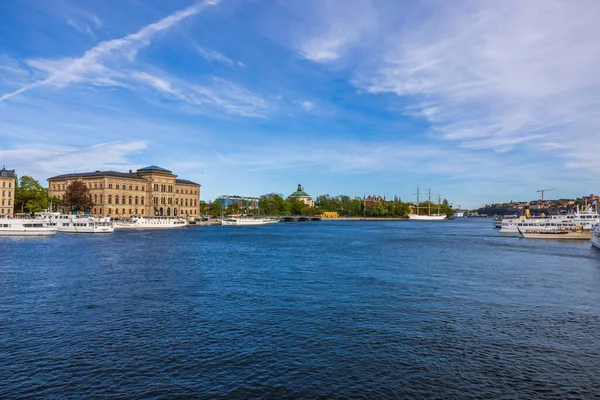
595 239
25 227
137 222
587 219
244 221
76 223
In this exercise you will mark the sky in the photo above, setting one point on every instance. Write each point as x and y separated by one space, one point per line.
479 101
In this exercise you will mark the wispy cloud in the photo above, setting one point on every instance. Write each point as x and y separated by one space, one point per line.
85 23
497 75
212 55
306 105
42 159
94 67
219 93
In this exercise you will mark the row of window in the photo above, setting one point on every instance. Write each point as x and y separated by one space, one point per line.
7 193
135 211
169 200
6 202
118 186
9 184
169 189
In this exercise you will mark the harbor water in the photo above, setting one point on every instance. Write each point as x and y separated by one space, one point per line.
390 309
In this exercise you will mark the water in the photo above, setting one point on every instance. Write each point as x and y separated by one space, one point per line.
300 310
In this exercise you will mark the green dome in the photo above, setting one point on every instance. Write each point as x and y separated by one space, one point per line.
300 192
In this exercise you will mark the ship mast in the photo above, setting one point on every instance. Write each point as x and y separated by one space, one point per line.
439 203
418 200
429 201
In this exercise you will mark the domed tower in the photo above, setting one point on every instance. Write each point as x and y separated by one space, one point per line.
301 195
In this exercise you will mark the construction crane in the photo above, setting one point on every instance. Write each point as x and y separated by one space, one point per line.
544 190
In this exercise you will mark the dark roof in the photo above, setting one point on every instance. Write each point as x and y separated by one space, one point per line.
10 173
153 168
186 182
99 174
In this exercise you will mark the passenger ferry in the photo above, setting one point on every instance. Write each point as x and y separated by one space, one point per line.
138 222
587 219
244 221
25 227
76 223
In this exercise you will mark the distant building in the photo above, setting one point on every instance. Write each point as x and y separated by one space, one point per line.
370 200
148 191
251 203
8 183
302 196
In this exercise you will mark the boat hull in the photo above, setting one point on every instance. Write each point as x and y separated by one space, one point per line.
595 240
557 234
28 232
243 222
426 217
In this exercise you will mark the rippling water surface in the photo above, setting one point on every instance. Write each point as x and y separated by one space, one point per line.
300 310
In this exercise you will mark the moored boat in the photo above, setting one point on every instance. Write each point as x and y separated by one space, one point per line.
138 222
244 221
425 217
25 227
76 223
574 233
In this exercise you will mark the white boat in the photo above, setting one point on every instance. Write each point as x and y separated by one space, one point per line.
137 222
429 216
25 227
587 219
595 239
244 221
570 233
76 223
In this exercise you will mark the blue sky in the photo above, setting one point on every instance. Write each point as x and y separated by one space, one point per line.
481 101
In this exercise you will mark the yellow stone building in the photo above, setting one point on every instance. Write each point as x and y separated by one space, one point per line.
8 183
148 191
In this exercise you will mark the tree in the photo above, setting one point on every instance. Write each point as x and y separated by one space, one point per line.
77 197
215 208
30 196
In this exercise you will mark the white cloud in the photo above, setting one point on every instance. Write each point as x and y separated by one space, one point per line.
94 66
493 75
219 93
306 105
41 159
212 55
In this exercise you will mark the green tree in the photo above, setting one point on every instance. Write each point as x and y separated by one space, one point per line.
77 197
215 208
30 196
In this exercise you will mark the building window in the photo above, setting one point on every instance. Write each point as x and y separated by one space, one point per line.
109 200
95 186
95 199
123 211
109 211
142 200
195 203
101 199
116 199
110 185
136 200
130 187
124 201
137 187
116 211
130 201
186 202
143 188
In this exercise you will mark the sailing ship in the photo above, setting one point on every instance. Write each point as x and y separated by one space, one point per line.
429 216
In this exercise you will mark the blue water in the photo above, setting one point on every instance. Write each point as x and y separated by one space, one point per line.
300 310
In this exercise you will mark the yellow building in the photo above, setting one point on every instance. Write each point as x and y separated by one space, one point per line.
8 183
148 191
